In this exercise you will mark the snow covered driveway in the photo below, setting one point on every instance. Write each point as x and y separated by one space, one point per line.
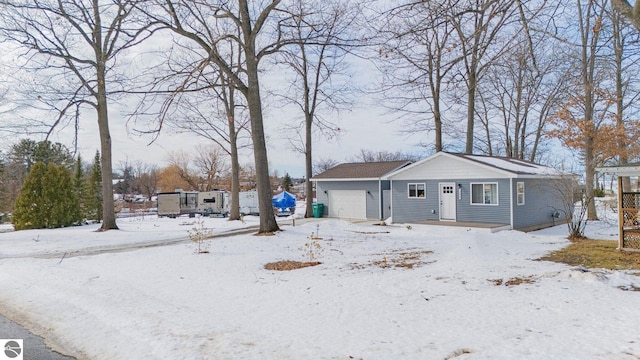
448 298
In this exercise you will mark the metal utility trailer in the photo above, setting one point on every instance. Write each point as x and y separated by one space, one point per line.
174 204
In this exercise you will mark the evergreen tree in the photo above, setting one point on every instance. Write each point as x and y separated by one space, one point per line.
46 200
65 207
28 152
287 183
93 196
79 185
30 208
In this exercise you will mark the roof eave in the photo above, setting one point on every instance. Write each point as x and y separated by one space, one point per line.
620 170
348 179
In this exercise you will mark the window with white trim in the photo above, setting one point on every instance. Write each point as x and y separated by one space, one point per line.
484 194
417 191
520 192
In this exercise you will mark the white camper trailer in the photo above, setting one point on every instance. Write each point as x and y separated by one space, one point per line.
213 203
249 202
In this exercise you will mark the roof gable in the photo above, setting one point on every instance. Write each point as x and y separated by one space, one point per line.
364 170
445 165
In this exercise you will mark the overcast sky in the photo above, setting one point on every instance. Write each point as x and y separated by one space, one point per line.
365 127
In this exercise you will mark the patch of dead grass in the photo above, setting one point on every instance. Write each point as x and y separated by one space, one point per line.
286 265
457 353
407 259
600 254
515 281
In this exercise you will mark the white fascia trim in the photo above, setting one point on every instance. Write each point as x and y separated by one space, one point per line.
349 179
620 170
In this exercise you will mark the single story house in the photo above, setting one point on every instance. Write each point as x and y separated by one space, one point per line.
356 191
501 192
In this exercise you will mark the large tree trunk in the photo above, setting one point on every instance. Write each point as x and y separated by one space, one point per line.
108 210
590 178
308 167
267 218
234 210
437 119
471 110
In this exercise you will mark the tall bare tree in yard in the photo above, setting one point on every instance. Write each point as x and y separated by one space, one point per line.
590 16
625 45
202 99
478 25
517 97
416 57
224 123
252 24
319 85
74 44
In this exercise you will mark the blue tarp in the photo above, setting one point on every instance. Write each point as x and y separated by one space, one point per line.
284 200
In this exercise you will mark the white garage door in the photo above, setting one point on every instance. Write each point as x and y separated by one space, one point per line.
348 204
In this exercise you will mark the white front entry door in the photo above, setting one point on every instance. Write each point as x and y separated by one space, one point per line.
447 201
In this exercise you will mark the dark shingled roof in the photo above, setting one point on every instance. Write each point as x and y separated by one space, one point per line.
366 170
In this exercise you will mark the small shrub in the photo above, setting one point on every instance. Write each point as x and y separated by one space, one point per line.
199 234
312 248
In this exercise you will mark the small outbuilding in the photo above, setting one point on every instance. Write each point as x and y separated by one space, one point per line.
357 191
494 192
628 207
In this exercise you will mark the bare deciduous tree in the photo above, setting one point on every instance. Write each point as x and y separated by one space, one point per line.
479 25
373 156
250 25
180 161
212 163
74 45
322 165
625 45
319 85
415 57
631 13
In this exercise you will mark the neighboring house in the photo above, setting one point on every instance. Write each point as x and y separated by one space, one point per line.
500 192
356 191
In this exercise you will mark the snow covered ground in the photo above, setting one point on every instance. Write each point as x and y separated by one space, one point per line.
167 302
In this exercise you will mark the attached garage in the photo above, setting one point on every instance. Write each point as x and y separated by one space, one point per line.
348 204
356 191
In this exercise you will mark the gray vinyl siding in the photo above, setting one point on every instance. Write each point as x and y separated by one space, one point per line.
415 210
540 202
492 214
373 195
407 210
